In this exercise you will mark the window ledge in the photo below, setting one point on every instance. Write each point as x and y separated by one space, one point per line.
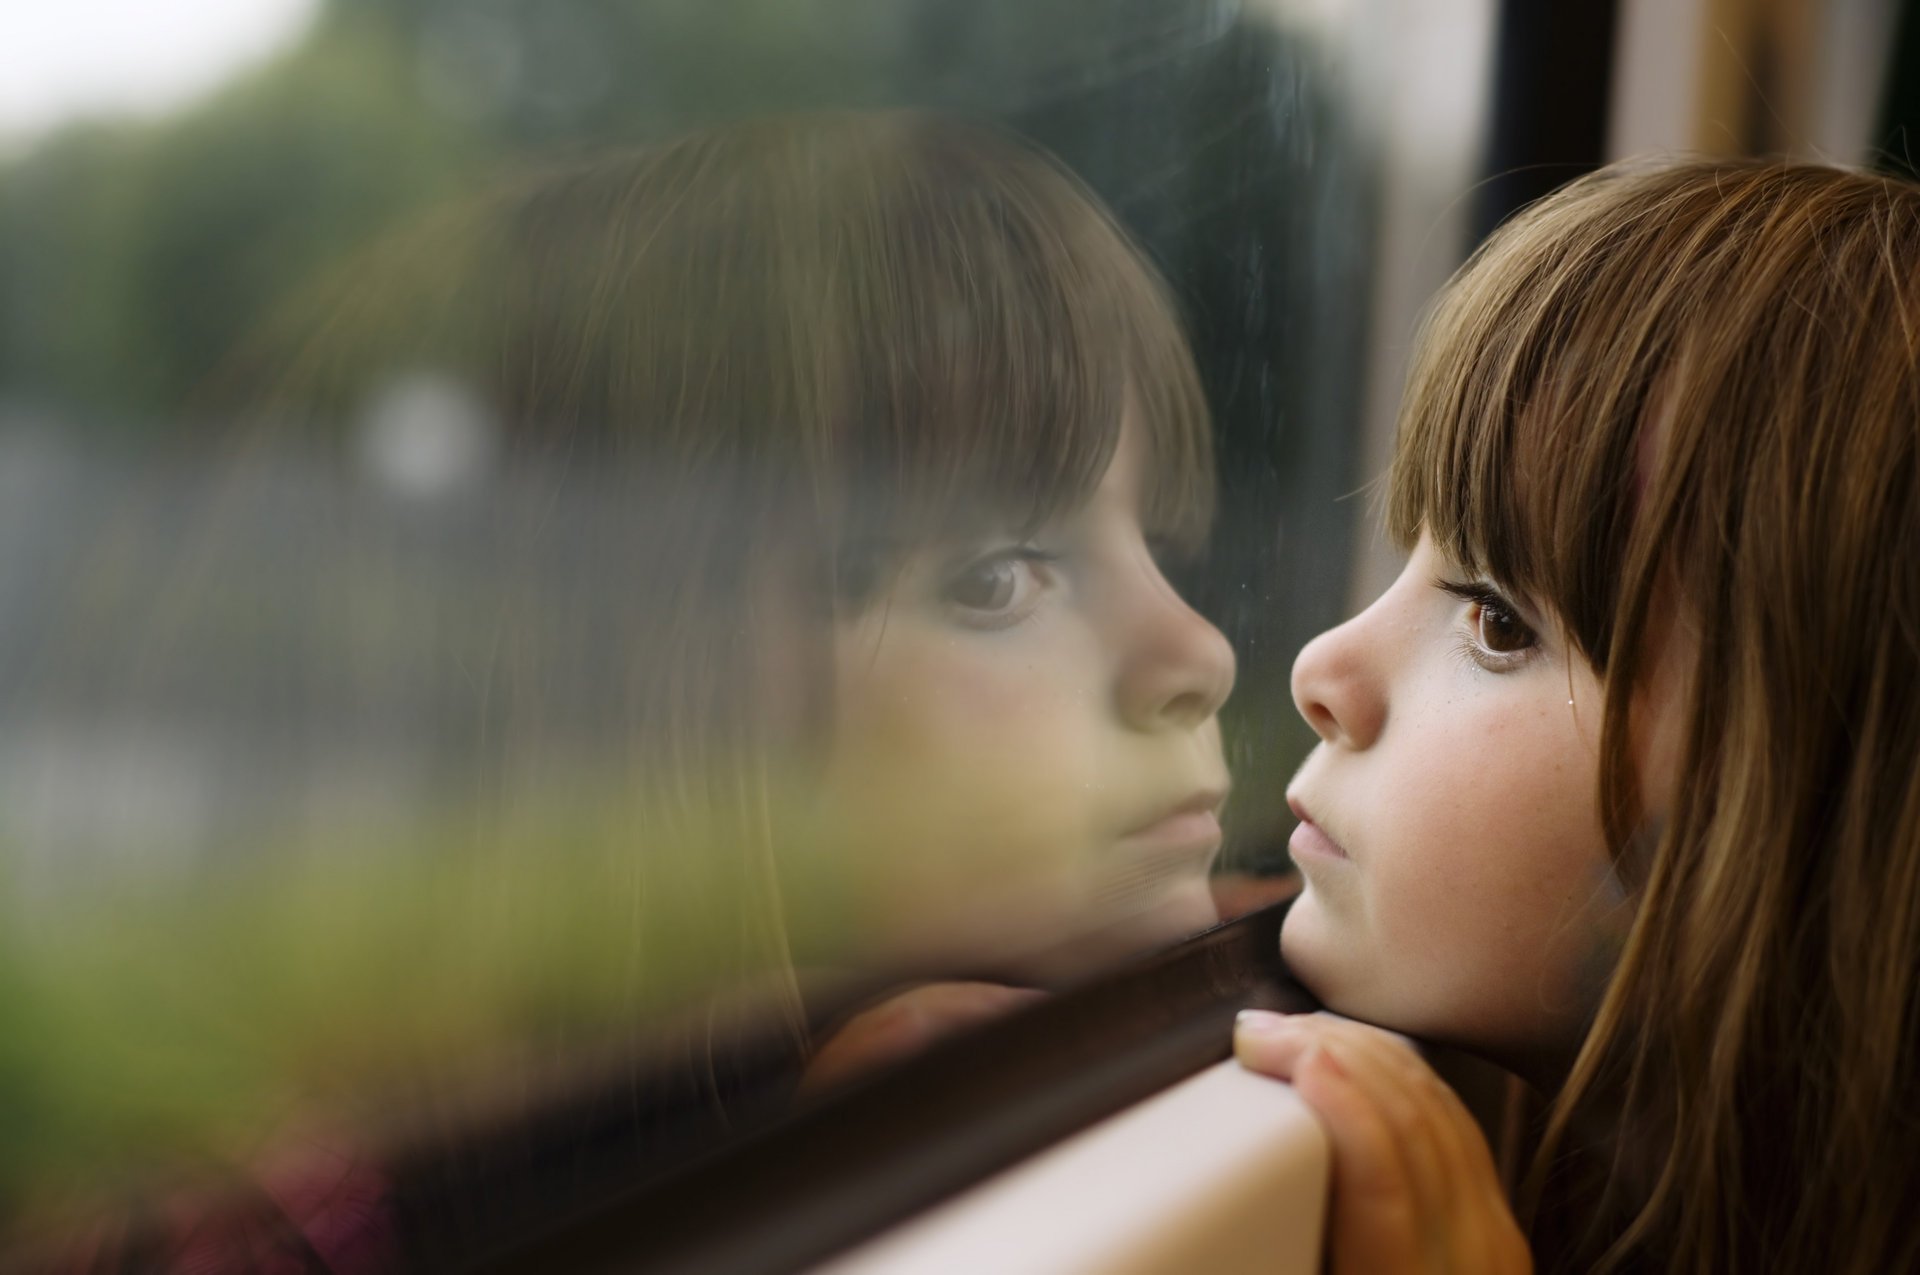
1224 1172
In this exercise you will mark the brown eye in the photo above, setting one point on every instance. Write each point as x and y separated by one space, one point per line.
991 585
1491 633
1000 589
1500 630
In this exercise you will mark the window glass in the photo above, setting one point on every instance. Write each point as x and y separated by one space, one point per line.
574 574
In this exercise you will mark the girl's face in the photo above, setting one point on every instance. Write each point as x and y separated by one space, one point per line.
1457 881
1025 743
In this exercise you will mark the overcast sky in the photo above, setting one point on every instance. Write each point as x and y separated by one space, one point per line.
65 59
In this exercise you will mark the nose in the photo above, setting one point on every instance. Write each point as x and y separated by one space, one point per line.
1337 690
1179 669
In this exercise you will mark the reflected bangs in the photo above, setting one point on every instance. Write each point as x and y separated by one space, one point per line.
1016 330
844 334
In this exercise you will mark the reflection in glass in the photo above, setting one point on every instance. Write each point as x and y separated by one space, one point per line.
812 629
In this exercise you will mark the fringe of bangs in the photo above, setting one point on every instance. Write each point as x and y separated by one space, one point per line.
1638 376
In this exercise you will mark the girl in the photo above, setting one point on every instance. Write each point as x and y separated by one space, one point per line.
1617 785
829 631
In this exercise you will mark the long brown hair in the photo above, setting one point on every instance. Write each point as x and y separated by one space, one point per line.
1696 387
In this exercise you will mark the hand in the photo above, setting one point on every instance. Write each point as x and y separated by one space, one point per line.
905 1024
1414 1185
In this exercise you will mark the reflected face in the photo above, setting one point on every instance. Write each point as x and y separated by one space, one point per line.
1457 881
1025 742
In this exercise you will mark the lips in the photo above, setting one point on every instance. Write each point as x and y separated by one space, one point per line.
1310 840
1194 821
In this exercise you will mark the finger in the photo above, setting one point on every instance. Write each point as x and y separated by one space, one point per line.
1374 1224
962 1001
1373 1116
907 1023
1390 1075
1421 1104
1278 1045
1465 1142
1269 1043
1458 1191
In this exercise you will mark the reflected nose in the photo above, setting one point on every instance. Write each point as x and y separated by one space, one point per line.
1336 689
1181 669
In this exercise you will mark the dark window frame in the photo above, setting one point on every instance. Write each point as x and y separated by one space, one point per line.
847 1167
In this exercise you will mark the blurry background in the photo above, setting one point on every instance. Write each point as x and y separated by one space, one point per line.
1305 172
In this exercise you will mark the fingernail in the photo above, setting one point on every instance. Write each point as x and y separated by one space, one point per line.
1260 1022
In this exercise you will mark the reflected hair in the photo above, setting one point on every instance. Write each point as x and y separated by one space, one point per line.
1685 398
786 352
931 321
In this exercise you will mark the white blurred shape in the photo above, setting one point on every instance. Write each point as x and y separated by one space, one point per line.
125 800
78 58
426 435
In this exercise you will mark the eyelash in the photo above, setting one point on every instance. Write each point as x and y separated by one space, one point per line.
1486 598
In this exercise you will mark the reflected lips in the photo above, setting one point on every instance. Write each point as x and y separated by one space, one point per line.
1310 840
1193 824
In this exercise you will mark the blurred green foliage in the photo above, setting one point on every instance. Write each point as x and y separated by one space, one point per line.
398 974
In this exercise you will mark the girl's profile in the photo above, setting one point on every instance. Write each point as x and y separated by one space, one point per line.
1616 785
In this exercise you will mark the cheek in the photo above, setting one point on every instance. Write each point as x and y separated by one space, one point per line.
958 780
940 710
1466 915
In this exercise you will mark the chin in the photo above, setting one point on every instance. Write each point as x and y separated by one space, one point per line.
1188 909
1300 938
1322 959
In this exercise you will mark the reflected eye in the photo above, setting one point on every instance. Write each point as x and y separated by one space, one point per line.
999 588
986 586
